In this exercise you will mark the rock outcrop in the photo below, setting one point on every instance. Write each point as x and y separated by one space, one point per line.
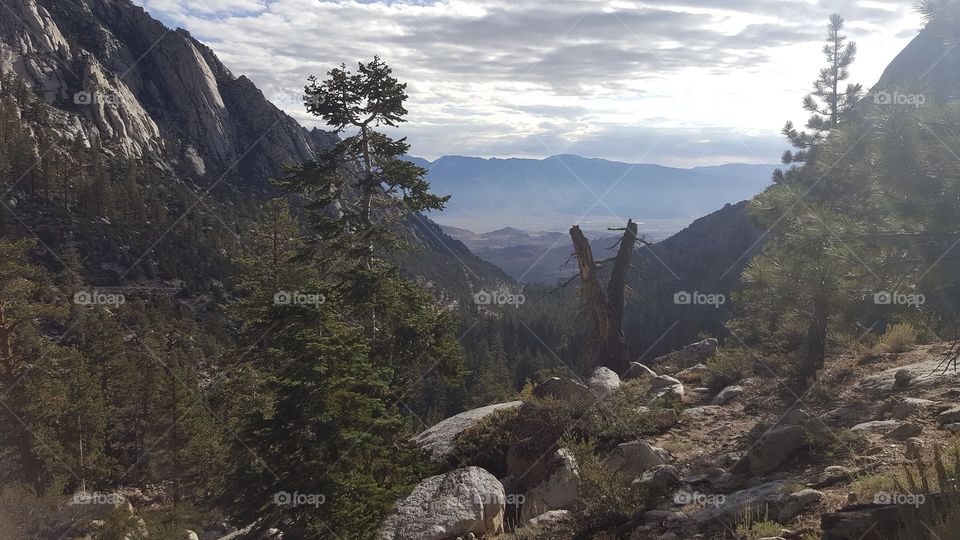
145 90
469 500
440 439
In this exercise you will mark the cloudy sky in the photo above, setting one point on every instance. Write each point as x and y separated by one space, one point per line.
682 82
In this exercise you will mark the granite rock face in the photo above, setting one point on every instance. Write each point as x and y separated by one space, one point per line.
125 80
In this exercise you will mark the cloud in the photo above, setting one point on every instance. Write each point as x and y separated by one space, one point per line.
494 77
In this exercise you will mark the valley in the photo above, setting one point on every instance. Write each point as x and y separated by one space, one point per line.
228 317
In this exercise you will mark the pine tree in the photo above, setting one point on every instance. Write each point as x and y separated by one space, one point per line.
828 104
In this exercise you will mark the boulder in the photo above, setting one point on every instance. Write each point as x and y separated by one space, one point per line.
664 381
439 440
904 431
665 388
876 426
189 535
563 389
772 449
691 355
949 416
908 407
660 478
914 448
727 395
902 379
772 498
704 411
551 520
603 382
468 500
796 502
638 371
632 459
559 491
693 374
830 476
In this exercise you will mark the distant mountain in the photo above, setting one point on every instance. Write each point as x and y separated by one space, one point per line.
556 192
531 257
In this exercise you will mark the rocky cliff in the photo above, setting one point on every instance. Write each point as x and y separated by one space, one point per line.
116 75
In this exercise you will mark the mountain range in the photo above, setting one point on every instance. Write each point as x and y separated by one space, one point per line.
556 192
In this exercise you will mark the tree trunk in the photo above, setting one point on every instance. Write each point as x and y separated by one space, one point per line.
605 306
816 337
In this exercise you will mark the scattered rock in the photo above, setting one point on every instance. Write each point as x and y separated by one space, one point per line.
665 388
632 459
661 478
949 416
558 492
902 379
876 426
796 502
914 448
552 519
772 449
639 371
904 431
603 382
727 394
439 440
907 407
763 498
692 354
830 476
701 412
693 374
468 500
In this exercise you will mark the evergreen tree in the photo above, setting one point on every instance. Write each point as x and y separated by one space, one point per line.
828 104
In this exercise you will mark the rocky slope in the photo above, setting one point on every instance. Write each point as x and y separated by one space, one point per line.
734 462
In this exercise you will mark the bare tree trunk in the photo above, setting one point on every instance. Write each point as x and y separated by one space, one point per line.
605 306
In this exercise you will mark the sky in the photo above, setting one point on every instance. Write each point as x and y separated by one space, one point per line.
680 83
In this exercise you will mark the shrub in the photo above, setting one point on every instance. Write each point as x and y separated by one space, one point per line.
751 527
728 366
605 499
897 339
485 444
